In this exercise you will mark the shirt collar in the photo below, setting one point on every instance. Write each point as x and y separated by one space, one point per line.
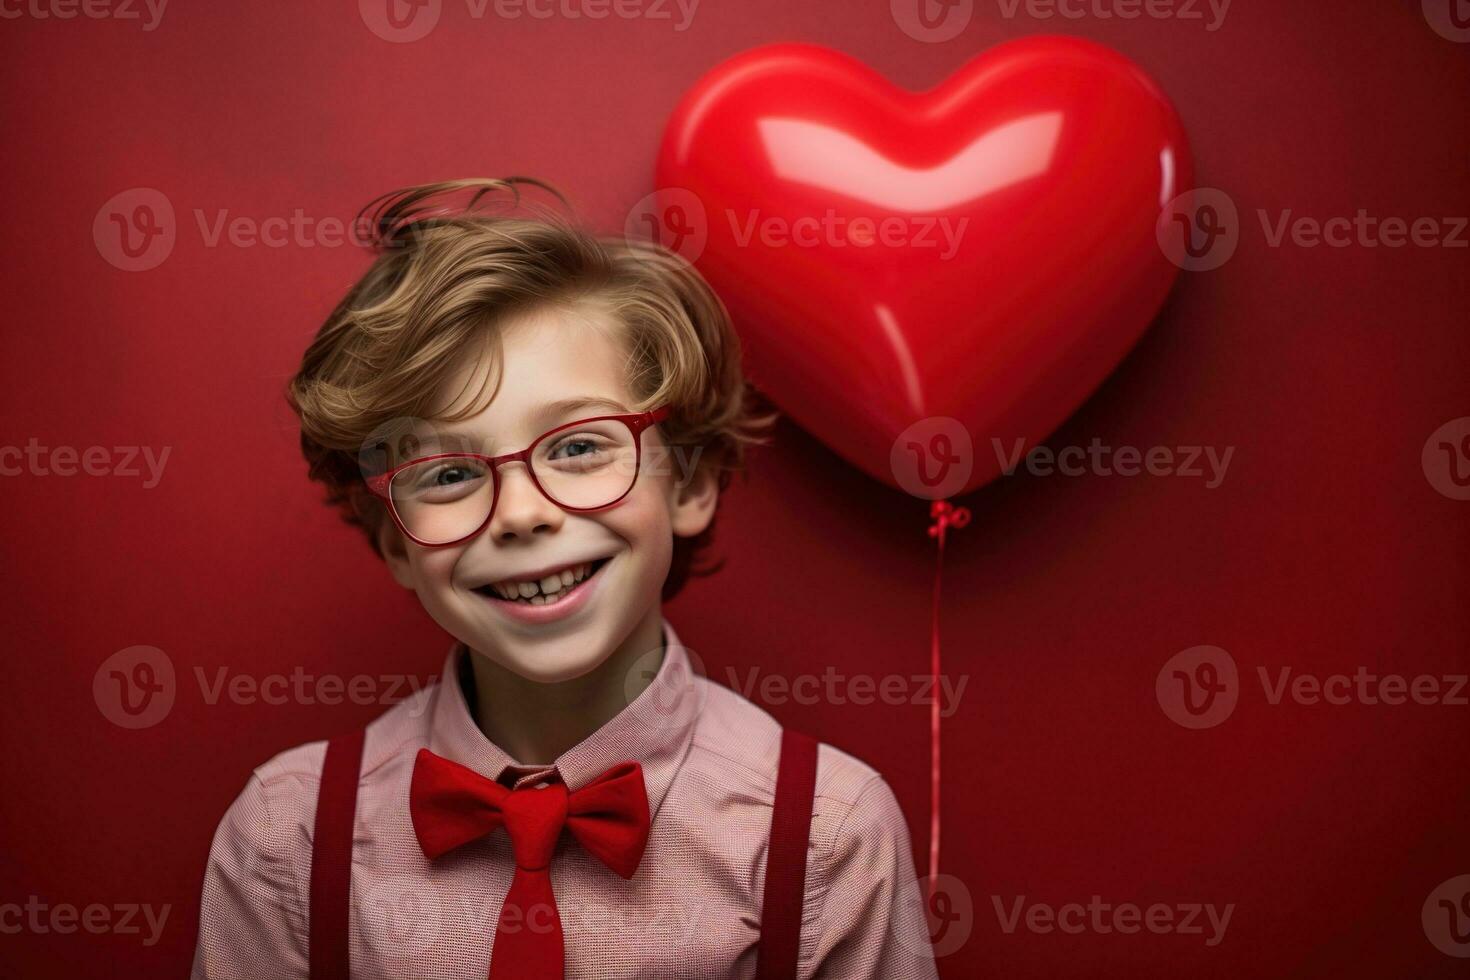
654 730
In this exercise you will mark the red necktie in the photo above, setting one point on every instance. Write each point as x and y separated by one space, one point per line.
452 805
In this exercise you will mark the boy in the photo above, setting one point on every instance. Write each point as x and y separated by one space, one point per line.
532 428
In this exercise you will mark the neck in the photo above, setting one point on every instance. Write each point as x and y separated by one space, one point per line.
535 723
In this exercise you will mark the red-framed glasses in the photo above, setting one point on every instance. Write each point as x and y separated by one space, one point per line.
446 498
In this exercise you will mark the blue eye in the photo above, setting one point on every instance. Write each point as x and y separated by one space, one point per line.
436 481
575 447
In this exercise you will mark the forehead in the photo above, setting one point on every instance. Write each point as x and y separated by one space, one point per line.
555 365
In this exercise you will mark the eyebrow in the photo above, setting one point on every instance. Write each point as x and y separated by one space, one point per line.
459 441
569 405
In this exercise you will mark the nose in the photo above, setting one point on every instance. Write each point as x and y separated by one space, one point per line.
522 510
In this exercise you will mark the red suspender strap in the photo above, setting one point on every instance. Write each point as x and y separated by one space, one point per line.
796 783
331 858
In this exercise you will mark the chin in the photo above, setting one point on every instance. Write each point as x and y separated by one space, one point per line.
545 659
552 667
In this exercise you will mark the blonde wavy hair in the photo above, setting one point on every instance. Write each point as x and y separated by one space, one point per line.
443 279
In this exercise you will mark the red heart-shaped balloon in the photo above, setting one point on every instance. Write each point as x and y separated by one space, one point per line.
921 279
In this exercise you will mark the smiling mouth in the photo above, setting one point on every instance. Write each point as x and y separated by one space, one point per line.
548 591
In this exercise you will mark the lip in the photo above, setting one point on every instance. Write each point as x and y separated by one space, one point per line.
574 600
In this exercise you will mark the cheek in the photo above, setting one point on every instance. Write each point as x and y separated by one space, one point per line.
643 521
433 569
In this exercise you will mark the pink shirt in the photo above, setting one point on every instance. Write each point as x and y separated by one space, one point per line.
692 909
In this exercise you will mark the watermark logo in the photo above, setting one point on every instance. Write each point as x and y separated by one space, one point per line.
1446 459
935 917
673 217
135 687
676 218
400 21
1199 230
1446 917
404 918
400 440
135 230
1449 18
932 21
1198 687
933 458
672 702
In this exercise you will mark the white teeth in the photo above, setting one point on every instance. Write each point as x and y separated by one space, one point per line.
544 590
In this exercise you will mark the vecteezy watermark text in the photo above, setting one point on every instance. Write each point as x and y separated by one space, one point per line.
677 219
1104 918
135 230
1211 13
935 21
63 918
301 687
1201 229
90 9
834 230
117 461
1200 687
1363 230
137 686
832 687
1363 686
1096 459
405 21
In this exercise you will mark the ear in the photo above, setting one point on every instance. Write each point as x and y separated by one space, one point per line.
694 502
395 552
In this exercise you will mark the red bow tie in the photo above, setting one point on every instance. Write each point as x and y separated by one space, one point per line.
452 805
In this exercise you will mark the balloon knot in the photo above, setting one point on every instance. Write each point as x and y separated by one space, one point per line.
946 515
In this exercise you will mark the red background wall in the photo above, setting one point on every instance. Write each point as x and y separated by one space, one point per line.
1325 549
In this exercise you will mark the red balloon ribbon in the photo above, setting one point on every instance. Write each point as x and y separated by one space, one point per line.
944 516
